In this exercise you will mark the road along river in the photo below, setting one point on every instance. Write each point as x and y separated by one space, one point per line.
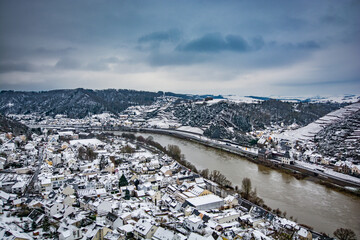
308 202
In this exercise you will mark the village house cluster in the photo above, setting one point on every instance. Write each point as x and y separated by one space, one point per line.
67 184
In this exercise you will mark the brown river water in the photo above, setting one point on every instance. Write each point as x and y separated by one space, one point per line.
310 203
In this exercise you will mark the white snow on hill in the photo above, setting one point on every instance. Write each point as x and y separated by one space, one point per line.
162 122
191 129
240 99
309 131
317 99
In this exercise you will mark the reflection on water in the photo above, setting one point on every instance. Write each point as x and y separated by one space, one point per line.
264 169
287 178
310 203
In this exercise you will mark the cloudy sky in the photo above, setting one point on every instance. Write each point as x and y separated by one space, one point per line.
221 47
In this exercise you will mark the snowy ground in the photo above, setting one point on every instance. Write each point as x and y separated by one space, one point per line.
316 99
87 142
191 129
162 122
211 102
308 132
146 154
241 99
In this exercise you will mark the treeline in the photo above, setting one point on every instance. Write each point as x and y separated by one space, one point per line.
75 103
149 140
172 151
216 176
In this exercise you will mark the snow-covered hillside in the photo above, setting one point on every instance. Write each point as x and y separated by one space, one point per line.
309 131
347 98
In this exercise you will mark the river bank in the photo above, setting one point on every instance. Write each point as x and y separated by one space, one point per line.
294 170
309 202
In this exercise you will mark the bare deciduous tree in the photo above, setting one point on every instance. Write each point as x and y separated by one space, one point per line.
345 234
246 188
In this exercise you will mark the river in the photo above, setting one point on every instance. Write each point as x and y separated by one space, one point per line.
308 202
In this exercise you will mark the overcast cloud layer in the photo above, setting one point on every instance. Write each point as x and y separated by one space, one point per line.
220 47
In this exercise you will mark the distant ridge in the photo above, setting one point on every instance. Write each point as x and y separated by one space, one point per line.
75 103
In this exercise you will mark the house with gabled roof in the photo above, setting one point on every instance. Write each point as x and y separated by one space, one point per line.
54 208
36 216
104 208
4 196
144 229
304 234
113 220
69 232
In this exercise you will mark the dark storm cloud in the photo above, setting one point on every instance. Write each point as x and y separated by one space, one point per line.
68 63
102 64
54 52
306 45
166 36
6 67
47 39
175 58
214 42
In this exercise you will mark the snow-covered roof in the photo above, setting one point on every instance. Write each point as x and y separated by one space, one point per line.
163 234
203 200
19 185
195 236
4 195
126 228
303 232
143 227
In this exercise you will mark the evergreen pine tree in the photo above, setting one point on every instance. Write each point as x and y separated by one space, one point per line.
127 195
123 182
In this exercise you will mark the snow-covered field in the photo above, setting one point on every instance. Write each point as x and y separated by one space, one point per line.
316 99
162 122
191 129
241 99
310 130
87 142
211 102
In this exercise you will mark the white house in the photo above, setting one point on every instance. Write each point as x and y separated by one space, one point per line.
144 229
54 209
113 220
19 187
194 223
70 232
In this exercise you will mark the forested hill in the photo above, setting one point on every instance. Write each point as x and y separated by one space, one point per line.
229 120
76 103
13 126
